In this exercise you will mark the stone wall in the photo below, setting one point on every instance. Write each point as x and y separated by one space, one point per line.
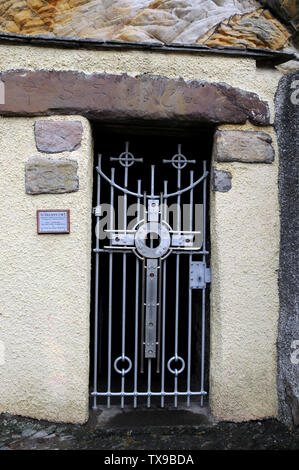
286 123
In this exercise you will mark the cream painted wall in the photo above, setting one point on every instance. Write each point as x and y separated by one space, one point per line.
234 71
44 286
244 298
245 239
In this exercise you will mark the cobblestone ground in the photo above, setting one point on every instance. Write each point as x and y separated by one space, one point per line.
18 433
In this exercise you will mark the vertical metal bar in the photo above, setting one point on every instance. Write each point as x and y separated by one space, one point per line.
152 180
143 302
123 336
204 207
179 202
152 194
176 322
163 335
137 307
96 308
149 380
149 361
160 304
190 300
163 310
110 290
177 285
204 290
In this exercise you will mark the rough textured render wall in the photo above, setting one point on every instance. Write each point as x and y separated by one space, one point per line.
211 22
244 297
44 285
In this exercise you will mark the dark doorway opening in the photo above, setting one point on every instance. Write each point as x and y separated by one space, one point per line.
153 146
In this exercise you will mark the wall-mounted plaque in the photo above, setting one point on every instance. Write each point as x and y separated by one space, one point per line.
53 221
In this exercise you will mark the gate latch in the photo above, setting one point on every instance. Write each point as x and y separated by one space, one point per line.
199 275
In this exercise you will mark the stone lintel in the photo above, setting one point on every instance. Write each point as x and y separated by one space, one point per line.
121 98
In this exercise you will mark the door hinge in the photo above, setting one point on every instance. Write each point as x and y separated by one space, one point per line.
199 275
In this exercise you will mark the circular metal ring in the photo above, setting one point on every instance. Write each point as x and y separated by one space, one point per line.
176 371
123 358
141 235
179 161
126 159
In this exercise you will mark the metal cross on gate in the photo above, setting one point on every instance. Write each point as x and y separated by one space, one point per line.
179 160
152 240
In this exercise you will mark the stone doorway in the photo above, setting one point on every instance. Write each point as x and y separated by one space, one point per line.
153 145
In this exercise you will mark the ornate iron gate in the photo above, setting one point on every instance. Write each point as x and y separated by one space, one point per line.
152 241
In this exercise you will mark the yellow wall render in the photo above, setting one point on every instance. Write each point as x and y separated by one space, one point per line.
44 285
238 72
244 297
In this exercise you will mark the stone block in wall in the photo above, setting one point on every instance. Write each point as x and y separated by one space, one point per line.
221 181
243 146
48 176
58 136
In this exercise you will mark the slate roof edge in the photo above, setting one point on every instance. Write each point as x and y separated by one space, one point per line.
268 55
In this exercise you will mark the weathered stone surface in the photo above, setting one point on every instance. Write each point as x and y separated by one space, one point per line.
166 21
286 124
243 146
123 98
255 29
58 136
45 175
287 10
221 181
288 67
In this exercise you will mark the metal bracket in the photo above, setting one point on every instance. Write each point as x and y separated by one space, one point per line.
151 308
97 211
182 240
153 210
199 275
122 239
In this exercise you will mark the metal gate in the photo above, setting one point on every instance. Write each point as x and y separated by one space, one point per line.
151 315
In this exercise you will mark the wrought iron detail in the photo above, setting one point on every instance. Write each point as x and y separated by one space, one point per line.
151 260
179 161
123 359
176 372
126 158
